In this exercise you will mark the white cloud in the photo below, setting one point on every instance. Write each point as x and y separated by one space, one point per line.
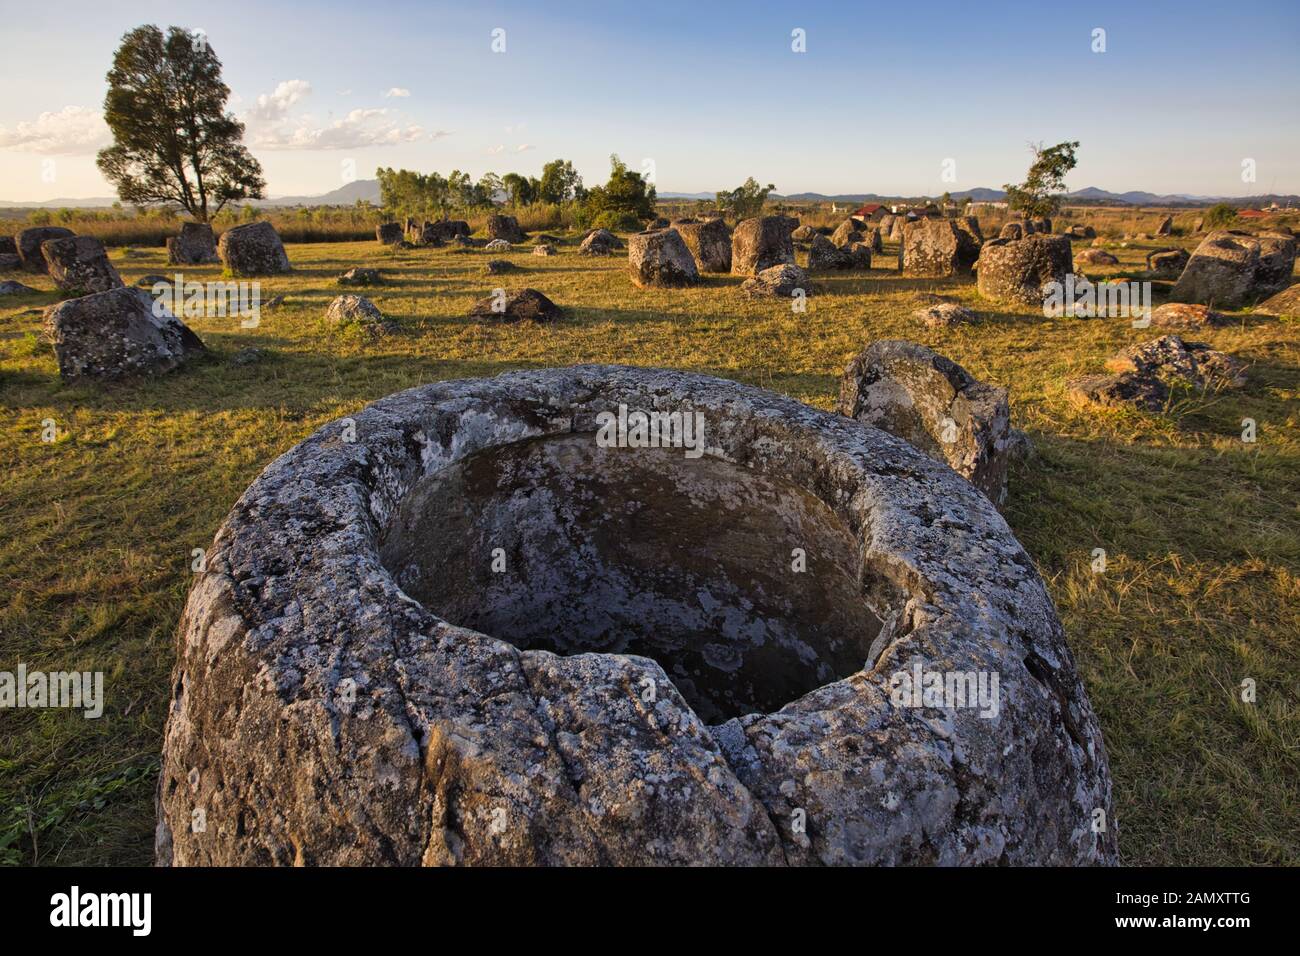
270 125
524 147
359 128
493 150
396 91
275 106
74 129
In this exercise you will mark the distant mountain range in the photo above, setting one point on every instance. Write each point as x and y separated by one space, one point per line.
368 190
1089 194
346 195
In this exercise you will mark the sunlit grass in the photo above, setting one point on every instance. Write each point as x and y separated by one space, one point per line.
1201 531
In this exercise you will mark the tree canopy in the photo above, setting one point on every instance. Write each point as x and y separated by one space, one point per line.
626 197
1043 189
560 182
173 140
404 192
745 201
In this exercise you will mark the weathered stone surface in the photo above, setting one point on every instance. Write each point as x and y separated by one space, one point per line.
937 247
1221 272
936 405
10 262
348 309
9 287
79 265
506 228
1041 224
971 226
659 257
1166 226
944 314
859 255
803 234
544 249
432 236
195 246
1175 360
709 242
1095 257
29 242
1143 374
1277 252
823 255
896 228
389 232
356 685
360 275
847 233
117 334
505 306
447 229
1181 315
1082 232
495 267
1114 391
781 281
8 246
1167 263
1012 230
1286 302
1015 270
599 242
761 243
253 249
497 245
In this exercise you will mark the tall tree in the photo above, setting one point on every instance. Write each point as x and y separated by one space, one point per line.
522 190
746 201
173 140
560 182
1041 192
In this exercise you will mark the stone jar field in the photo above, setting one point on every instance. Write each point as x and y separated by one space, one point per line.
111 496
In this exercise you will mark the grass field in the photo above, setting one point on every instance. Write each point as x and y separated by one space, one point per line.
1201 530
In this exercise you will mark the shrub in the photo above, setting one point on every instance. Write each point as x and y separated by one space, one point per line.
616 221
1219 215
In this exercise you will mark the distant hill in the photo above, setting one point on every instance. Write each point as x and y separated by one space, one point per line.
346 195
92 202
367 190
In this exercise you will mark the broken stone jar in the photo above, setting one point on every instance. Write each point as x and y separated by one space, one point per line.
512 621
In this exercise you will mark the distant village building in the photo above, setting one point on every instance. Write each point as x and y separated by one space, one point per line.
987 204
871 212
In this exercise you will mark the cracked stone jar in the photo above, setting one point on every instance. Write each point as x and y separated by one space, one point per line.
607 615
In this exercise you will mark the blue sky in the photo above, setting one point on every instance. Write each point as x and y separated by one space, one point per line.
704 93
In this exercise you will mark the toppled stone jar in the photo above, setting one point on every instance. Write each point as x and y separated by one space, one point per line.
606 615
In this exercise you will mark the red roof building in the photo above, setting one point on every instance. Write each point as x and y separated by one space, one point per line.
870 211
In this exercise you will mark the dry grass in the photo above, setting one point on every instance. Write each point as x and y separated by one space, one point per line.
1202 531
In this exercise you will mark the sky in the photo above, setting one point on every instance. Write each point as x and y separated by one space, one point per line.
910 98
